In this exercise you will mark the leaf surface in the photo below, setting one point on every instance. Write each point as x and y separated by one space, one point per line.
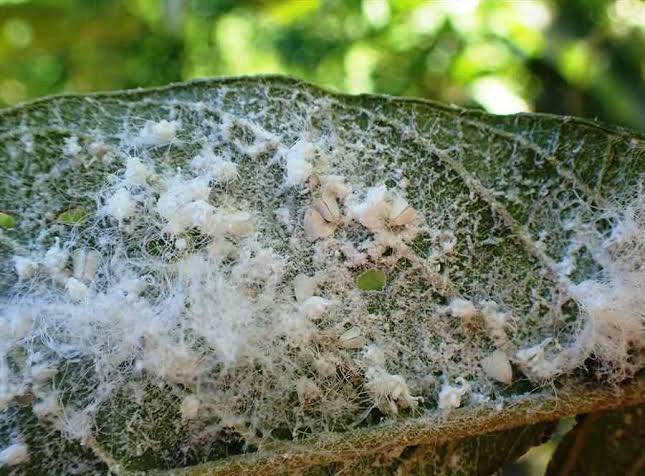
603 443
518 222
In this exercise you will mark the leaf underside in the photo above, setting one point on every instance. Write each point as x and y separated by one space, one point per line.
603 443
494 194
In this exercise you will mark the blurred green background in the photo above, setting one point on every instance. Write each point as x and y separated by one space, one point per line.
579 57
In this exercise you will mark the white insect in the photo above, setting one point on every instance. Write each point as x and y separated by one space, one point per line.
401 213
498 367
14 454
159 133
351 339
450 396
316 226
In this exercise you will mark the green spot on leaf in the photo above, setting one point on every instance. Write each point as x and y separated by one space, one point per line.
371 280
73 216
7 221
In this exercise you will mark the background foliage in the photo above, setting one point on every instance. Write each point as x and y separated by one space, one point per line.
579 57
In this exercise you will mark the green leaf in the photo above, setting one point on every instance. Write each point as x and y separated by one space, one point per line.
603 443
371 280
468 215
7 221
73 216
